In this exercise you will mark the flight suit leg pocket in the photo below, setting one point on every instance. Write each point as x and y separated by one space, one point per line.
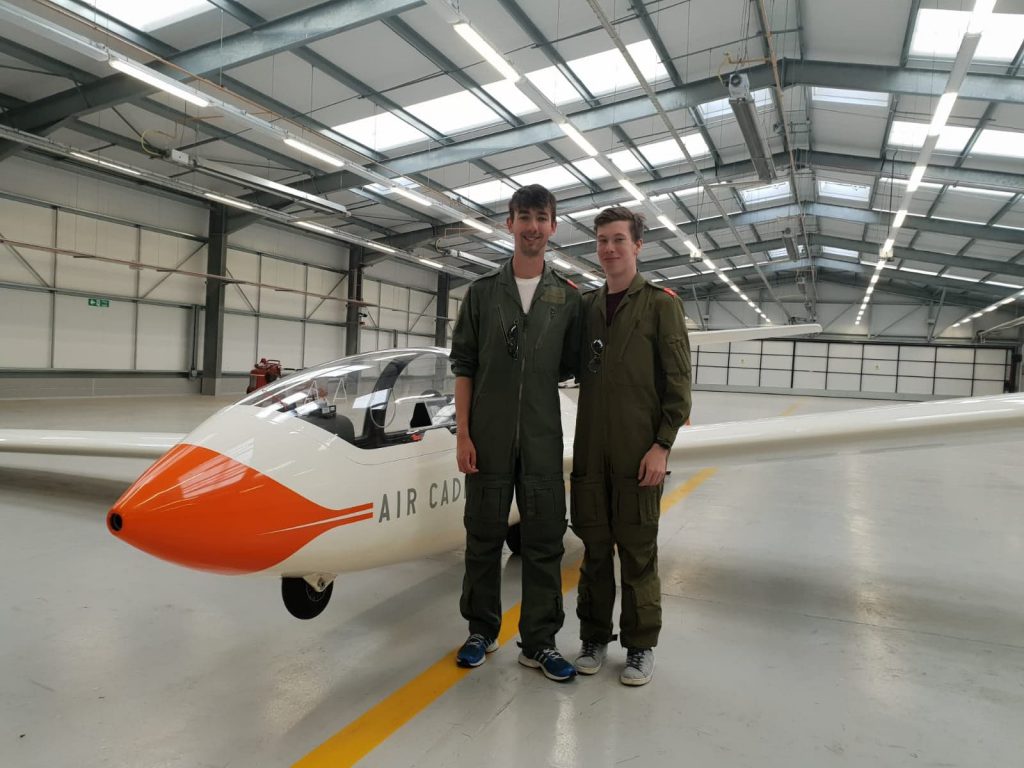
635 505
588 504
488 498
542 504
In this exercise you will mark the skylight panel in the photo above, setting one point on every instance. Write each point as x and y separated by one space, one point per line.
765 194
552 178
591 168
380 132
486 191
150 15
608 72
953 138
845 96
855 192
999 143
903 183
554 85
661 153
720 107
937 34
454 113
510 97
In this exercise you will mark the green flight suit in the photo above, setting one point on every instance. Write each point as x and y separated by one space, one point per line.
516 360
639 394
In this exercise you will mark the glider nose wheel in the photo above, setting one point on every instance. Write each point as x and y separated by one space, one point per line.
302 599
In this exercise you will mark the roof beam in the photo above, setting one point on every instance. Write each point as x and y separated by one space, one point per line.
300 28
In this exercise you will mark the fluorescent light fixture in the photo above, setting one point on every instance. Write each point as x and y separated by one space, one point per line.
630 187
476 259
302 146
481 46
745 112
915 178
229 201
561 263
847 96
419 199
590 277
106 164
692 246
38 25
430 263
671 225
570 131
316 227
942 112
165 84
478 226
734 287
901 216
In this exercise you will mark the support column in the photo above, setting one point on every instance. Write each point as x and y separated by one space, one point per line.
441 310
213 325
355 293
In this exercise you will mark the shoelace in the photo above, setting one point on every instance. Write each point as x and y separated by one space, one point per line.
548 654
589 648
635 658
478 640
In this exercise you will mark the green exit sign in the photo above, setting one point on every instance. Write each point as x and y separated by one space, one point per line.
99 302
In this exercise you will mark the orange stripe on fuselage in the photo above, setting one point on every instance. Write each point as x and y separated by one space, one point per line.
201 509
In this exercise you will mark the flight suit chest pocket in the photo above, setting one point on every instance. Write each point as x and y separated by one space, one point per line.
634 504
488 498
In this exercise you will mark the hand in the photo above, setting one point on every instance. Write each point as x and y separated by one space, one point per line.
653 466
465 452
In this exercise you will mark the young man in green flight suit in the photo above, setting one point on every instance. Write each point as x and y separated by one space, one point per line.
634 396
516 337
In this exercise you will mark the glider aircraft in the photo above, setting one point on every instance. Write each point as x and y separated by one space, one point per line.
350 465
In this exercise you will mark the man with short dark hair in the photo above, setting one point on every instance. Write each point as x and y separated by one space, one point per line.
516 337
634 396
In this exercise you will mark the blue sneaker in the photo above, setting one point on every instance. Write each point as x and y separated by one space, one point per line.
474 651
551 663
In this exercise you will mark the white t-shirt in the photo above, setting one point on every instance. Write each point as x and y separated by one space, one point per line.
527 287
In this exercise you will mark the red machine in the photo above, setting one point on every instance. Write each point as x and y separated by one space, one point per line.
264 372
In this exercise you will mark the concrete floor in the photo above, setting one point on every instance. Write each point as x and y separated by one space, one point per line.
855 611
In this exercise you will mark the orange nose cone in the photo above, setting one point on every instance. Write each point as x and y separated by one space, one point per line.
198 508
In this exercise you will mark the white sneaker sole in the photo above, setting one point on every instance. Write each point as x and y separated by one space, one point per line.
587 670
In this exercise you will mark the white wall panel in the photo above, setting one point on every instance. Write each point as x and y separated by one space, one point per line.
991 356
96 238
164 338
843 364
880 352
776 379
777 362
93 337
424 324
744 360
804 363
27 224
987 388
952 388
712 376
812 349
329 284
917 354
912 385
852 351
172 252
884 384
954 355
25 320
745 347
849 382
239 343
743 377
713 358
323 343
990 372
242 265
808 380
910 368
880 367
954 370
778 348
292 244
281 340
282 274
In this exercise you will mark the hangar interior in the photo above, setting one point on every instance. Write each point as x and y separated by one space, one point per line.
187 187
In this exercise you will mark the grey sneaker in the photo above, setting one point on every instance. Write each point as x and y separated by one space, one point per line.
591 657
639 666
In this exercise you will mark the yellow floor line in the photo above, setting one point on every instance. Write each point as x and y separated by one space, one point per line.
357 739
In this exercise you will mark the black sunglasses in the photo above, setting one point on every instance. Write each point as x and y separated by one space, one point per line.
512 341
597 348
